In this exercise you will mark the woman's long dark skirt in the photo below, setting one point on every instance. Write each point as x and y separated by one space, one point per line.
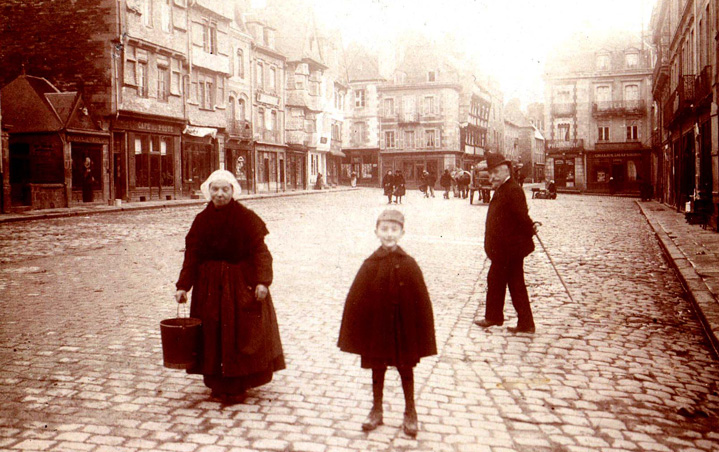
241 339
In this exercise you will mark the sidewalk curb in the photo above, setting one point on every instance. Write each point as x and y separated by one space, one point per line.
162 205
705 305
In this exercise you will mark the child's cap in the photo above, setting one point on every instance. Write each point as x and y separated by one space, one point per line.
391 215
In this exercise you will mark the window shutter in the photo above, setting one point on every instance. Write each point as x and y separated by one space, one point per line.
381 141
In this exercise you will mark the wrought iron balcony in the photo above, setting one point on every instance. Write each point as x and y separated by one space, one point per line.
554 146
681 100
703 85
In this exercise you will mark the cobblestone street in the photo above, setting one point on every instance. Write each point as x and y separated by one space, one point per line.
624 367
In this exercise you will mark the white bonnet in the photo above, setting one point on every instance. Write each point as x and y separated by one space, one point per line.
221 175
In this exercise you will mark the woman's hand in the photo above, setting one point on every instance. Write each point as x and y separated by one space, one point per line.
261 292
181 296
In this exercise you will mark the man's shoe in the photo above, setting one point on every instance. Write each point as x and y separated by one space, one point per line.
410 424
521 329
374 420
484 323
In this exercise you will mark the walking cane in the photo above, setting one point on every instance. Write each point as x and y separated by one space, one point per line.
537 223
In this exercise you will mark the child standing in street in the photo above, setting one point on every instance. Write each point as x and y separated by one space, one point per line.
388 318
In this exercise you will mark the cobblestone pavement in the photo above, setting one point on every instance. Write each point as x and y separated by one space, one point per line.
622 368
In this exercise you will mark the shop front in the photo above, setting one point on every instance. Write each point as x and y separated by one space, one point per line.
296 168
200 157
364 163
617 171
145 159
413 165
270 168
238 160
90 159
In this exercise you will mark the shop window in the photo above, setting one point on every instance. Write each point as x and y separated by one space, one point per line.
142 160
167 162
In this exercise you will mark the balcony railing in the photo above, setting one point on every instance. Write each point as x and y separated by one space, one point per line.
564 109
240 129
619 108
565 145
703 84
681 100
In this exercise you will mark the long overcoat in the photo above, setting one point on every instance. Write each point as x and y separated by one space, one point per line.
509 229
388 313
388 184
225 258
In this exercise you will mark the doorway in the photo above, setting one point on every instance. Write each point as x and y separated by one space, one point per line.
20 194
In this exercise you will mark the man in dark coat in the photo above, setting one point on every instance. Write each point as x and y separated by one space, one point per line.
507 241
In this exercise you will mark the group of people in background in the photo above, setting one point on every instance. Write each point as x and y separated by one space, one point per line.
394 186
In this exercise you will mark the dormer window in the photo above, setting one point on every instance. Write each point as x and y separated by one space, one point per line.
631 60
431 76
603 62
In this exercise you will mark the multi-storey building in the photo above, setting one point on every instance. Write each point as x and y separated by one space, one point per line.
203 141
495 120
685 163
268 108
419 116
475 107
524 143
598 116
239 155
361 128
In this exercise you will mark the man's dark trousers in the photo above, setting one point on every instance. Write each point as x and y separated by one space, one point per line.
505 273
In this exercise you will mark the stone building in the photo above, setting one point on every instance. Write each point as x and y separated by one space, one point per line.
419 116
361 127
475 107
268 67
685 160
598 115
239 150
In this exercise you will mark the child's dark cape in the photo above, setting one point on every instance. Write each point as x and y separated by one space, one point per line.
388 313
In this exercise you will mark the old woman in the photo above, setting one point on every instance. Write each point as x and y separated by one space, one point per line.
229 269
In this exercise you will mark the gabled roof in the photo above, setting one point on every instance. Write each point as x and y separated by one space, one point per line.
33 104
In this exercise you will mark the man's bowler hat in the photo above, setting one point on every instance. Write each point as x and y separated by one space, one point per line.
496 159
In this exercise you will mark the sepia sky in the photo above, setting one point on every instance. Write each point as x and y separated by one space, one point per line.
508 39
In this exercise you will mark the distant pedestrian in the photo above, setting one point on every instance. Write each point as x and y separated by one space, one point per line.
353 179
463 181
507 241
446 182
229 269
88 180
319 183
423 186
612 186
388 186
431 180
388 319
399 187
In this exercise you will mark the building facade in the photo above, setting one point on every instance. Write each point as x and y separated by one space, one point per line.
685 163
598 118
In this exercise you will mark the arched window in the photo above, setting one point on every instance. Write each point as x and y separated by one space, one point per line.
631 170
241 114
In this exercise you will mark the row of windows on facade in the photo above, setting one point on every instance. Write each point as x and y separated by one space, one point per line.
432 139
602 93
430 106
631 61
632 132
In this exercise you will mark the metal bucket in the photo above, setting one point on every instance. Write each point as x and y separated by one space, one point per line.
181 341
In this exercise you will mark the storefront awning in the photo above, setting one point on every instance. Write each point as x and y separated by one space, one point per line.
200 131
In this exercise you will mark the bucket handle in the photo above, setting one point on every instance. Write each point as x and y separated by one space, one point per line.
184 310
